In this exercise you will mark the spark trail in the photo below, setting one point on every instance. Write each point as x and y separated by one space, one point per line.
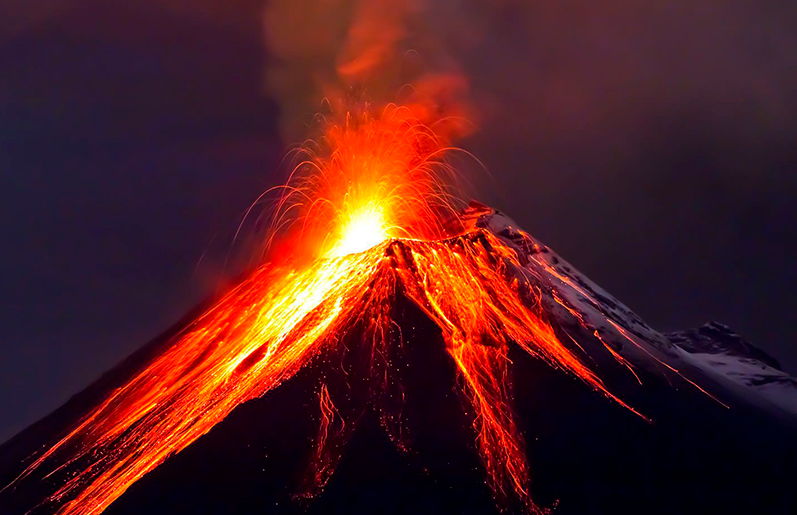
371 215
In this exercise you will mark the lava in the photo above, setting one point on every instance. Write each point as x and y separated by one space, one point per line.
369 215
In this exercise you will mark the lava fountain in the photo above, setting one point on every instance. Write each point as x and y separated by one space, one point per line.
370 212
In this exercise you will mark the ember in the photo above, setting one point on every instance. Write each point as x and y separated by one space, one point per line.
373 213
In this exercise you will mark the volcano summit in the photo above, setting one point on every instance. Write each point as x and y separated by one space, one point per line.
572 400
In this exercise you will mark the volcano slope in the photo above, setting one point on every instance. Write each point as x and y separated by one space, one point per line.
702 421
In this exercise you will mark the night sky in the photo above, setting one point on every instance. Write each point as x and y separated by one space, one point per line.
653 146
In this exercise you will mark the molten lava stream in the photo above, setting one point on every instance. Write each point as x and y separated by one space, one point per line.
374 213
253 339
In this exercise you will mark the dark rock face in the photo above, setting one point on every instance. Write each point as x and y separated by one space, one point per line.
716 338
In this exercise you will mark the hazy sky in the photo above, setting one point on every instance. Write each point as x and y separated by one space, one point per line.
651 145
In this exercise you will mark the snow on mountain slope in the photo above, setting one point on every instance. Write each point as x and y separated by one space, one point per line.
713 356
715 348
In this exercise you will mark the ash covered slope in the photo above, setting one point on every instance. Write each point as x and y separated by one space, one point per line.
714 356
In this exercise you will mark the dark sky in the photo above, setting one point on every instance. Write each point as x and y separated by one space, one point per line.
651 146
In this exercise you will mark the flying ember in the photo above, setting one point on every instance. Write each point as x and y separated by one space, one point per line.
373 214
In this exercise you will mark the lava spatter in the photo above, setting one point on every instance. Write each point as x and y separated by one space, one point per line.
372 214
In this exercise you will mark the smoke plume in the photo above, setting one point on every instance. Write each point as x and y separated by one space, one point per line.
330 54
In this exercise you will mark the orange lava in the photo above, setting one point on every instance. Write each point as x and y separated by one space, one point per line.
370 212
332 430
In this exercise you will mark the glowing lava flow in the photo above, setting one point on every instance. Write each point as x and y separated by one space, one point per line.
253 339
374 212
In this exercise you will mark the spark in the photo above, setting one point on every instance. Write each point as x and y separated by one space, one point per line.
373 209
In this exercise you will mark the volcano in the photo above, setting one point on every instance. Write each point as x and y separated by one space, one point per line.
415 384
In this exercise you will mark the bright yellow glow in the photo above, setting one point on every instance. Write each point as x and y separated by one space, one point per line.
365 229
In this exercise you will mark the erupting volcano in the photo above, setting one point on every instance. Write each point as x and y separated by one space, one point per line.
372 215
